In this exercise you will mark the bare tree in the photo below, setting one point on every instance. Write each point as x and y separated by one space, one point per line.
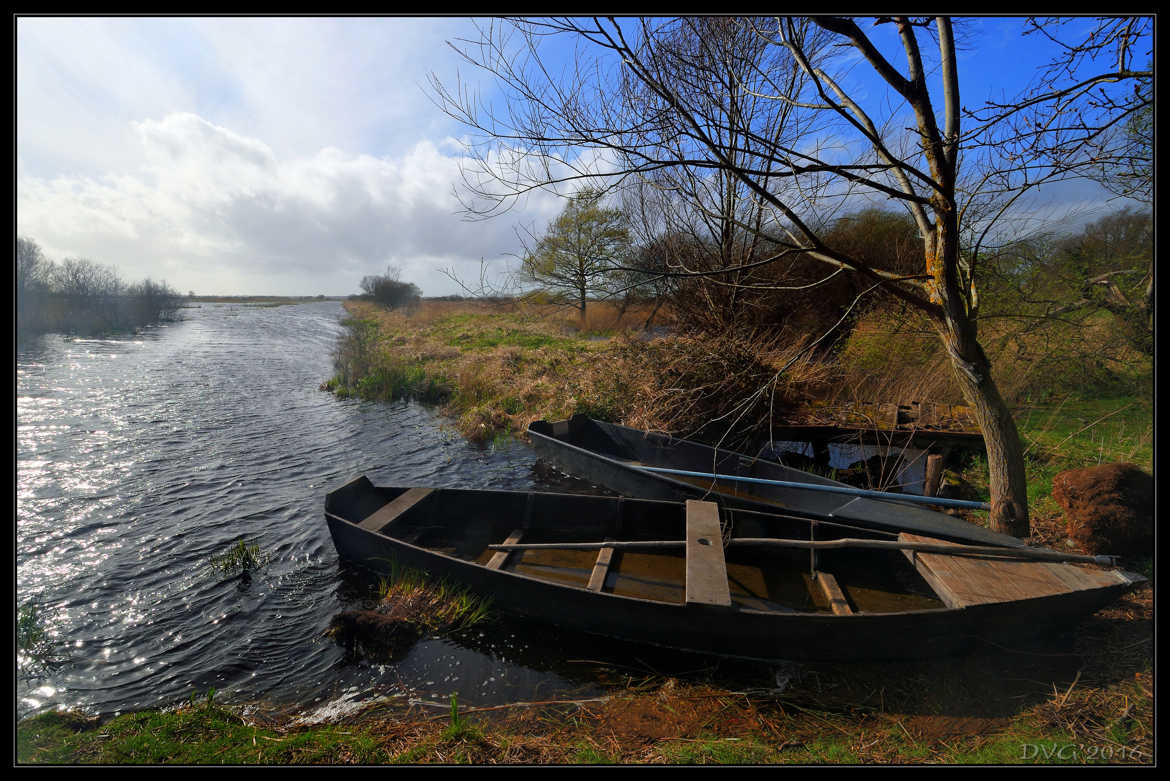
33 270
672 106
1088 112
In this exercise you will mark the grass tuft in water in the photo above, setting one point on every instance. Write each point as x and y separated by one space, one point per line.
241 559
35 652
460 728
434 603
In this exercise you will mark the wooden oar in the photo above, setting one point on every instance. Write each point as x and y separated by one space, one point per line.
833 489
847 542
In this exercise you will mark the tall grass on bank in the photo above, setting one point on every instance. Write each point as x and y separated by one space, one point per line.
893 356
497 367
1080 395
1072 433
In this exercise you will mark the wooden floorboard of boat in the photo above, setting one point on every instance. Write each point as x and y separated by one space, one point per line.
377 520
962 581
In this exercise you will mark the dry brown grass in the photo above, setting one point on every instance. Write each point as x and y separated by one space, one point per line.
506 364
1093 696
899 357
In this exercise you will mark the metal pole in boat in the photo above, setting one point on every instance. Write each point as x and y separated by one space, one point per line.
812 551
833 489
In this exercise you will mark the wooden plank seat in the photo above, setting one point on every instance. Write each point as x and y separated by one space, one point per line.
378 520
706 566
600 569
961 581
837 601
499 557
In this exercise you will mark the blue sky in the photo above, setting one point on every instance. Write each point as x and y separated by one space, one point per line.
285 155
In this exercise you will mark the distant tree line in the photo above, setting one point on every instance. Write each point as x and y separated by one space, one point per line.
78 295
1073 279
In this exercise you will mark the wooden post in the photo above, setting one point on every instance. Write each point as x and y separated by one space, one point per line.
933 476
821 452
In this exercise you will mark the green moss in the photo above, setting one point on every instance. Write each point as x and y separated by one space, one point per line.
588 755
720 751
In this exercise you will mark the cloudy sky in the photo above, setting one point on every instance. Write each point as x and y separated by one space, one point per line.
285 156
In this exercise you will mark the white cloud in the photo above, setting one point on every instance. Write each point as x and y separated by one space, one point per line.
245 155
208 208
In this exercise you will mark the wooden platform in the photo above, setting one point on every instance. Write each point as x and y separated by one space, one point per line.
961 581
706 567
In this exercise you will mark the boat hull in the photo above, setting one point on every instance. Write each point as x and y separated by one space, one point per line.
609 455
727 631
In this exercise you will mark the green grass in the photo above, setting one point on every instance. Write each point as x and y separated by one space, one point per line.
588 755
433 603
392 381
1087 431
460 728
1072 433
204 734
720 751
241 559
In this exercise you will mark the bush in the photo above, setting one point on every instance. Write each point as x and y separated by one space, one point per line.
389 291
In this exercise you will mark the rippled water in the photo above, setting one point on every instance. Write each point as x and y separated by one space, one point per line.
139 458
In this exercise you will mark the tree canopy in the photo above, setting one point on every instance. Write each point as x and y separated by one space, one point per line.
581 249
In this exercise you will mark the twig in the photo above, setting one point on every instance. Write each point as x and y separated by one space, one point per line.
1064 699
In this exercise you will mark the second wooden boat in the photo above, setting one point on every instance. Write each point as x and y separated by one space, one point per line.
614 456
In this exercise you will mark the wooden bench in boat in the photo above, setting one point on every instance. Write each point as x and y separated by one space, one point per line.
961 581
706 566
600 569
377 520
837 601
499 557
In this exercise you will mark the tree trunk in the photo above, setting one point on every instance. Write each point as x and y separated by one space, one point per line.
1005 457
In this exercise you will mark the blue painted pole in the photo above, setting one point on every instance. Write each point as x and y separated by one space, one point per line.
834 489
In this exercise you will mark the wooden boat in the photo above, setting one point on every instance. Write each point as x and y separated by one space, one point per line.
614 456
728 581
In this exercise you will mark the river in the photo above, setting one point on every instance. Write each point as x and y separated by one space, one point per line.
141 457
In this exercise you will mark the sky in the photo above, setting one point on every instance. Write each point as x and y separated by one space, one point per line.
283 155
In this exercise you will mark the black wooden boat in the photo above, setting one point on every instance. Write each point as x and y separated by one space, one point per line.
694 576
613 456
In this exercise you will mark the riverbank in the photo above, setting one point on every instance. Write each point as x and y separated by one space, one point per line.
1088 701
494 367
